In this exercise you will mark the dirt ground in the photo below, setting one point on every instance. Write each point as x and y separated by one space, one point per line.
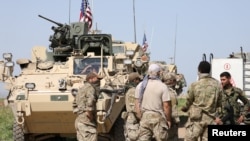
181 130
181 133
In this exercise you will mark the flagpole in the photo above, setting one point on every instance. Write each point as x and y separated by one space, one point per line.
134 20
92 9
151 39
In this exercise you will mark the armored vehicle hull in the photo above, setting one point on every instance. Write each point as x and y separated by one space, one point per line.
42 95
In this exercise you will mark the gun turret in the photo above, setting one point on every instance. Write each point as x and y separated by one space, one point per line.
60 40
59 24
63 41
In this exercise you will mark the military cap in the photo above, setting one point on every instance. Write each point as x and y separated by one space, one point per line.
133 75
92 75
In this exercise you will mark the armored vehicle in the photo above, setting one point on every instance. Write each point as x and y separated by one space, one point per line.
42 95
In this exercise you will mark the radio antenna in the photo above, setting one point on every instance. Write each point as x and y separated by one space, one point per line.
69 9
175 41
134 20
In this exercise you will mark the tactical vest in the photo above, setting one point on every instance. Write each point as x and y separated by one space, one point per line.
174 103
130 99
86 98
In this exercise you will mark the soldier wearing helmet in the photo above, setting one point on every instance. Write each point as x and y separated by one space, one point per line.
170 80
132 123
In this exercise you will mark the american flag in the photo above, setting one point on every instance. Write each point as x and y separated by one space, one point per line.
85 13
144 43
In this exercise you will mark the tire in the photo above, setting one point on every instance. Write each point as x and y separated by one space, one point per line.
18 134
118 130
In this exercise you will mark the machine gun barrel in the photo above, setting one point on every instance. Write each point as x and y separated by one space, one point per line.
59 24
116 91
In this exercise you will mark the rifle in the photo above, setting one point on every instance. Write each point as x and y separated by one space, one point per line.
229 116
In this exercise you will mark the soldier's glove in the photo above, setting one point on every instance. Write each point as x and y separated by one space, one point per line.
184 109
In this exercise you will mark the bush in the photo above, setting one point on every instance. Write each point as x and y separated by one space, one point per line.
183 116
181 102
6 118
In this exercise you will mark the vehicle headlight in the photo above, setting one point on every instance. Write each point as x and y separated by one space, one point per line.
7 56
30 85
9 64
138 63
129 52
127 61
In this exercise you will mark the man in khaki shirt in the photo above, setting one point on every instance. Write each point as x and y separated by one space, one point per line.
153 106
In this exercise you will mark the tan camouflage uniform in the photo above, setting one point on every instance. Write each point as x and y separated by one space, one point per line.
173 130
203 100
153 106
85 101
170 80
132 122
153 121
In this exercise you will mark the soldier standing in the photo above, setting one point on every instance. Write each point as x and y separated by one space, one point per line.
170 80
153 106
132 122
85 101
231 108
203 100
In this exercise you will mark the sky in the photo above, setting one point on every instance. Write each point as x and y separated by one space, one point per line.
179 29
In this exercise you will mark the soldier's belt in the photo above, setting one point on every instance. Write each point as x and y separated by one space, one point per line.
151 114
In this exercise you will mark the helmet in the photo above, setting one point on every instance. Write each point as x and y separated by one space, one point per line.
169 79
169 76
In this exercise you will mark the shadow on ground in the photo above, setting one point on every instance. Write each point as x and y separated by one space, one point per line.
183 120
